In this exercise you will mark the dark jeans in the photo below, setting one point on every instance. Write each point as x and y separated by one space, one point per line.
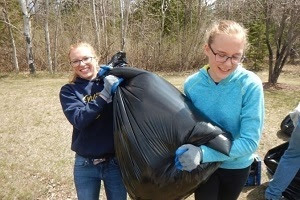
88 176
224 184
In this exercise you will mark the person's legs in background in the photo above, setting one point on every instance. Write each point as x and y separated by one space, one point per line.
287 168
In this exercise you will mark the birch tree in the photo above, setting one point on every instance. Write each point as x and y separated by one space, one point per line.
183 43
163 8
27 34
124 12
13 45
57 23
47 37
96 26
102 11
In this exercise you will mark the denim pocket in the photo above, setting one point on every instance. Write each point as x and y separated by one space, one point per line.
114 161
80 161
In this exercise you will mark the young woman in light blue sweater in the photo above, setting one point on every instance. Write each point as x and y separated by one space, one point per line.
232 97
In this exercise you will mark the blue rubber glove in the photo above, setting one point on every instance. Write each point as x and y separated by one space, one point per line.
178 153
111 83
104 70
188 157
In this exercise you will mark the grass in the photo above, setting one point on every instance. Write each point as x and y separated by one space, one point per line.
35 157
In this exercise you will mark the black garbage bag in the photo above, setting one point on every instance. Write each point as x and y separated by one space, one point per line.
287 126
273 156
272 159
118 60
292 192
151 120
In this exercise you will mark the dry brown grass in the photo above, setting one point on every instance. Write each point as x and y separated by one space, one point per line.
35 156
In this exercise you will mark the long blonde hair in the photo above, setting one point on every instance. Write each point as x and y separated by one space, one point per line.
227 27
75 46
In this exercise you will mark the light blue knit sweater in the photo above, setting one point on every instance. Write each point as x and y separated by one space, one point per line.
236 105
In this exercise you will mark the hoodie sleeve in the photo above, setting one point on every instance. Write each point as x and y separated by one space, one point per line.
252 117
80 114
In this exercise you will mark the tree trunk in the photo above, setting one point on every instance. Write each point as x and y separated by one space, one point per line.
164 7
47 38
113 14
96 26
104 28
27 35
179 36
104 4
13 45
286 34
184 51
124 12
122 24
57 15
268 24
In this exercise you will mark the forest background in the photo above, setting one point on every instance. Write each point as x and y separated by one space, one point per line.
157 35
163 36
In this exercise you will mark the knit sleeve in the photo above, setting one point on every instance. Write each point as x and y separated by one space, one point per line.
252 117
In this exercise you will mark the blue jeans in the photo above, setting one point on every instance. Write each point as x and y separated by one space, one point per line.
87 178
287 168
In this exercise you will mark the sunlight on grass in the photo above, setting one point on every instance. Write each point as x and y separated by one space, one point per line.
35 157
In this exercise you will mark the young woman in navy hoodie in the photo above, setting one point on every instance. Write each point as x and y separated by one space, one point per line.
87 105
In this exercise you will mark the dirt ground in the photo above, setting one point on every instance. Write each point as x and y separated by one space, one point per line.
35 157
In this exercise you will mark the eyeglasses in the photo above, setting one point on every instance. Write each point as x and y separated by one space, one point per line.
85 60
222 58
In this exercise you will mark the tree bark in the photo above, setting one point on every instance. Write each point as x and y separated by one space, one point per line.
124 13
57 16
13 45
104 28
27 35
47 38
286 34
268 8
96 26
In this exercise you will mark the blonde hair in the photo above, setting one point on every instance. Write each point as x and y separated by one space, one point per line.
227 27
75 46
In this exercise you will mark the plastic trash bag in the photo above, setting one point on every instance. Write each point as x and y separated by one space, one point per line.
151 120
118 60
287 126
272 159
273 156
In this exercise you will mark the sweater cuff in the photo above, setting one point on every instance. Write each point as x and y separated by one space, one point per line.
211 155
208 154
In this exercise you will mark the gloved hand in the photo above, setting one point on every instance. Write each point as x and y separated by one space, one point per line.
103 71
295 114
111 83
118 60
188 157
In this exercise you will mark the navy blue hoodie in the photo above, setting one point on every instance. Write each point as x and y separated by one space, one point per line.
91 117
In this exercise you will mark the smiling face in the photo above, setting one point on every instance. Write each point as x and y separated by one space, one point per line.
224 45
84 62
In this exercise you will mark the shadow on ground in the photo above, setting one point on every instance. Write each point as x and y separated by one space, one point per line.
256 192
